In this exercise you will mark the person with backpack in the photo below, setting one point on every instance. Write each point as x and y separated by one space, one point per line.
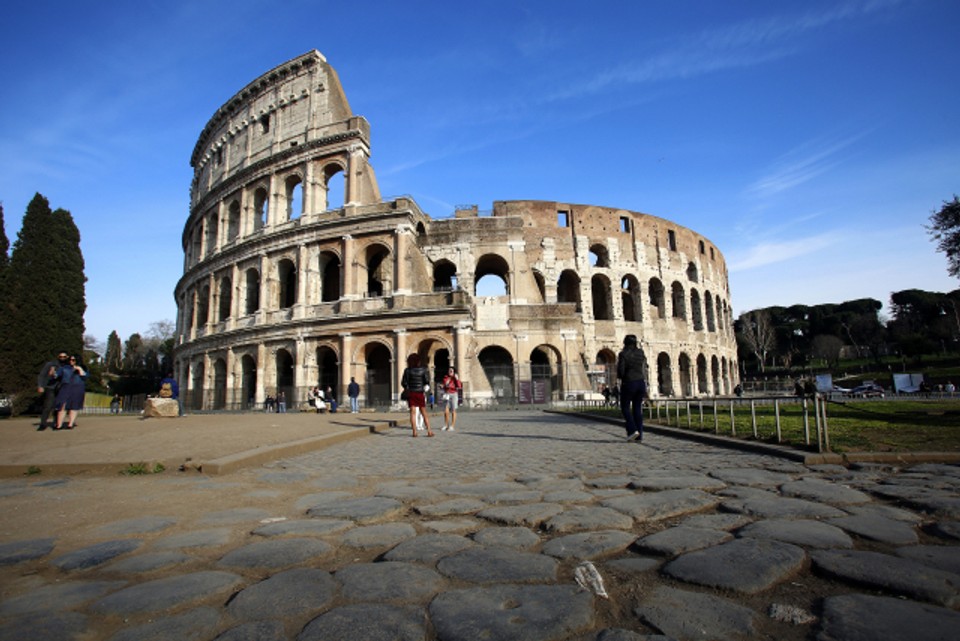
633 390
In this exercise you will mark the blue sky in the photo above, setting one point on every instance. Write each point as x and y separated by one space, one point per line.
809 141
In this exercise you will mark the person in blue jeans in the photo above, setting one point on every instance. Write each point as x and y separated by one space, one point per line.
633 388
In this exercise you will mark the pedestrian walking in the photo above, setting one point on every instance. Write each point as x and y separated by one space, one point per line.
73 388
47 384
633 388
450 389
415 383
353 393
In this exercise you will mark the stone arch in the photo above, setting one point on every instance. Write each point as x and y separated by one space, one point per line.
631 299
287 277
444 276
328 368
568 288
606 361
657 294
664 375
541 283
692 272
599 256
196 244
498 368
285 380
602 298
248 381
203 305
492 265
711 322
379 270
251 288
328 266
726 375
334 194
703 375
696 310
546 369
685 366
715 375
261 208
233 220
212 229
219 384
225 298
378 387
679 301
293 194
197 385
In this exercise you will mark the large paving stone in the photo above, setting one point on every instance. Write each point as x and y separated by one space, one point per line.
885 511
878 528
633 564
937 502
782 508
490 565
403 491
58 596
304 527
275 553
677 482
388 581
385 535
194 625
891 573
811 534
743 565
692 616
942 529
453 506
588 518
48 626
484 489
19 551
294 593
680 539
861 617
824 492
751 477
519 538
512 613
589 545
567 496
531 515
170 592
140 525
214 537
362 510
520 496
943 557
653 506
321 499
722 521
94 555
428 548
368 621
147 562
255 631
235 516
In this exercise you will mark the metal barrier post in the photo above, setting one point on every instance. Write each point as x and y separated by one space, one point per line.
776 413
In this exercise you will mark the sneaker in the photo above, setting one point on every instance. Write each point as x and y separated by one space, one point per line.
444 428
636 436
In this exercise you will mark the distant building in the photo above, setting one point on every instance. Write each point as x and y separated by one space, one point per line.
288 285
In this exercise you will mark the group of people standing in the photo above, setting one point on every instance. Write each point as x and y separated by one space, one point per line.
415 383
63 385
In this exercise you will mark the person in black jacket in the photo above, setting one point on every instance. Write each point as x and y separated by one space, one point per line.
633 389
47 384
415 382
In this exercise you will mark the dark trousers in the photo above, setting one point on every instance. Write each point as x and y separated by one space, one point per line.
631 405
49 396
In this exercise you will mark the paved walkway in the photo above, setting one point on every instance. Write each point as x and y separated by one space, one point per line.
487 532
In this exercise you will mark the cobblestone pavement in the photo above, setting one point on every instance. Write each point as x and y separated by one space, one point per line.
519 525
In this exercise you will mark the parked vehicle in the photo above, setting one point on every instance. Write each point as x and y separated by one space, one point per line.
867 390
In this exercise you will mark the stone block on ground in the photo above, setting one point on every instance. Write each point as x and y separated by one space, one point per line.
161 408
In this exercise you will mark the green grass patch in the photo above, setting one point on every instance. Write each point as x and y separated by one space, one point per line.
138 469
852 425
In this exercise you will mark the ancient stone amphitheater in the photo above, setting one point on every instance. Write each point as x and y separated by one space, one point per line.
297 273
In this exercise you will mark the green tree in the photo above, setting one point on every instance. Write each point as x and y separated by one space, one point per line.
113 357
4 247
44 299
944 227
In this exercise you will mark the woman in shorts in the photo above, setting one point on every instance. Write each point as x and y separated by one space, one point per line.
415 381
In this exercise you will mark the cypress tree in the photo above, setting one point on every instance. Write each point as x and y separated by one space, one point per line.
4 247
113 359
44 302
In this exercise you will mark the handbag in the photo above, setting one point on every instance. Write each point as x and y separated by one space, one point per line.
403 395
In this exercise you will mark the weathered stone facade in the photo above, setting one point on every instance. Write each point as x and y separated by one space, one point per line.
284 288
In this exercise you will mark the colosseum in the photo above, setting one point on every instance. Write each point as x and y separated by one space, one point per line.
297 273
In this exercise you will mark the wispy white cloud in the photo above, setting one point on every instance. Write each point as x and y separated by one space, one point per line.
771 252
799 166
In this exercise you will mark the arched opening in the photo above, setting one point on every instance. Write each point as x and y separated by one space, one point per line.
251 291
497 365
219 384
212 229
328 370
541 285
233 221
248 384
196 387
696 313
602 299
711 322
715 375
226 299
679 301
377 389
444 276
441 363
285 379
692 274
686 375
196 245
260 208
703 375
546 373
379 274
631 299
336 187
329 268
294 196
599 256
658 305
287 275
606 369
664 375
568 288
203 306
492 276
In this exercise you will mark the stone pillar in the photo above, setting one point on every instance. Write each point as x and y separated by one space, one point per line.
401 243
347 365
353 174
264 287
274 216
310 190
205 382
348 269
261 373
211 300
512 294
461 339
231 400
302 271
194 300
399 359
299 374
221 232
235 289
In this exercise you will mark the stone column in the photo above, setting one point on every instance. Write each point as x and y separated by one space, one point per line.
205 382
194 301
347 365
299 373
461 339
211 300
274 217
348 270
221 232
264 287
512 294
399 359
235 287
401 236
231 391
261 373
353 173
302 272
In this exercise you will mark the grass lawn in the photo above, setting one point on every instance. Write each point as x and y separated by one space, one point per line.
852 425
